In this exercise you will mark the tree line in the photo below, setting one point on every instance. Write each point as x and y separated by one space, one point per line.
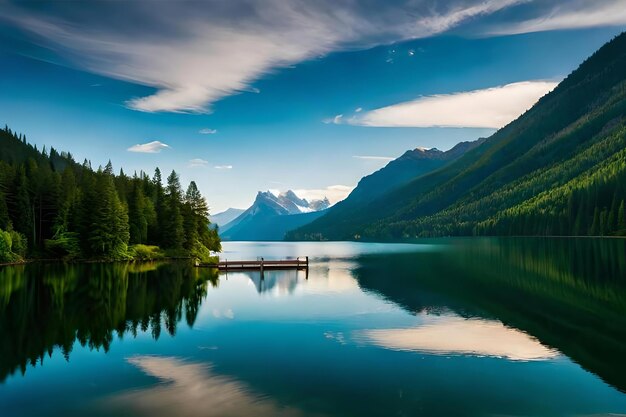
52 206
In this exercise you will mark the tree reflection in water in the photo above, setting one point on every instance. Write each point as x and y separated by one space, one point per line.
44 306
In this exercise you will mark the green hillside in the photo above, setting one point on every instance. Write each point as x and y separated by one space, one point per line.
559 169
399 172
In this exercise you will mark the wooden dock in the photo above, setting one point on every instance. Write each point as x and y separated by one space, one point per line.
260 265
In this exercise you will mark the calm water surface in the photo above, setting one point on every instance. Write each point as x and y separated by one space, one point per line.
467 327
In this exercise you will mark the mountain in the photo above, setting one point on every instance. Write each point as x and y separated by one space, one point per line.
559 169
268 228
224 217
400 171
271 216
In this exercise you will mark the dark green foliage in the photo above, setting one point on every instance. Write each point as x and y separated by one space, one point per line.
12 246
559 169
4 211
107 234
200 238
23 210
67 210
137 213
6 244
173 232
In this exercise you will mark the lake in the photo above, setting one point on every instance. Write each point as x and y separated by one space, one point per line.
444 327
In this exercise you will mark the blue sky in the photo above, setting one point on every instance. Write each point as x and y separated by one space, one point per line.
252 95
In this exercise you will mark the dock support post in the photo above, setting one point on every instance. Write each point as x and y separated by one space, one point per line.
262 277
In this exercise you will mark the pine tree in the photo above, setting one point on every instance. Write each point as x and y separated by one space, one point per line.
108 235
173 228
621 218
4 212
24 222
138 223
196 215
595 225
155 231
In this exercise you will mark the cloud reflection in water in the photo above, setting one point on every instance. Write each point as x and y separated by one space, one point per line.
451 335
192 389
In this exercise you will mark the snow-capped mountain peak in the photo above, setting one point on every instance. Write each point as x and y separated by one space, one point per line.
267 207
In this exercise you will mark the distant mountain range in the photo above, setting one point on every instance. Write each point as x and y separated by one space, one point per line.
224 217
271 216
559 169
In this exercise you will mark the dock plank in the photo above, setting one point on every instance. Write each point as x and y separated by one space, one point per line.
260 264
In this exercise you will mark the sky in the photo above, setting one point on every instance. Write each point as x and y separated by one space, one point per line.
249 95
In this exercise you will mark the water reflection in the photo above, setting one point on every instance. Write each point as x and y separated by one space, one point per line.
326 277
568 293
454 327
188 389
55 305
276 282
451 335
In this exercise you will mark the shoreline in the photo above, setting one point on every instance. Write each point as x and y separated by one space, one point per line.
94 261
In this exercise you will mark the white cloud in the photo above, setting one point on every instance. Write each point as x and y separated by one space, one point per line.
334 193
489 108
358 110
200 53
338 119
197 162
573 14
207 131
150 147
374 158
223 167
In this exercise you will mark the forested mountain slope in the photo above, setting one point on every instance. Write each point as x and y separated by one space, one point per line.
559 169
412 164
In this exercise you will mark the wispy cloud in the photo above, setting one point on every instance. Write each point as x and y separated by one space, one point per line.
334 193
197 162
488 108
573 14
374 158
207 131
223 167
221 49
150 147
338 119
